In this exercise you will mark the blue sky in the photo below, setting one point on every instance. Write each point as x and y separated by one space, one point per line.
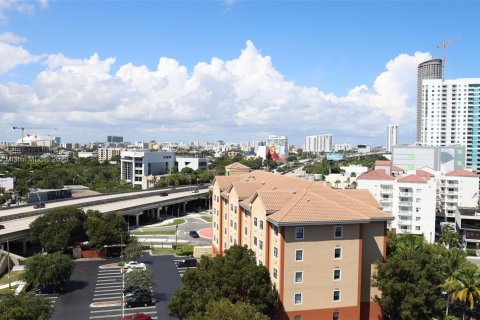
326 72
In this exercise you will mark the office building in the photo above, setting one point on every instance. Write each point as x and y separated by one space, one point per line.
451 115
318 143
318 243
114 139
136 165
431 69
342 147
192 163
392 136
444 159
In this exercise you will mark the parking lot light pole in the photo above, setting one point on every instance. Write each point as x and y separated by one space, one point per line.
176 236
123 295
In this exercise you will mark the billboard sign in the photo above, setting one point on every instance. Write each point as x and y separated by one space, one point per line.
276 153
332 156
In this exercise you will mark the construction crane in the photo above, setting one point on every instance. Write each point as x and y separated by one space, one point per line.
443 45
23 130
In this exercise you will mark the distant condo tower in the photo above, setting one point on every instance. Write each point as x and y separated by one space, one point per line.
392 136
431 69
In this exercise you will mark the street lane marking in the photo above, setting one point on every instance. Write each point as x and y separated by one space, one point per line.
129 309
104 290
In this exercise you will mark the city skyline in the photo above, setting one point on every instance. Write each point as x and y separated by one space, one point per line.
238 72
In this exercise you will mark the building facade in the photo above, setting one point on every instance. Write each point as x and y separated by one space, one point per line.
451 115
106 154
431 69
444 159
135 165
192 163
392 136
319 143
319 244
114 139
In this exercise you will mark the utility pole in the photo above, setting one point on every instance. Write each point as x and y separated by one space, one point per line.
443 45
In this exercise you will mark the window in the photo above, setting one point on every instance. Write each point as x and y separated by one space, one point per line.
235 226
338 232
299 233
337 274
225 216
246 230
261 224
298 298
337 253
231 207
275 273
336 295
299 255
231 223
255 240
417 228
275 252
255 221
417 218
275 231
336 315
231 239
235 209
260 244
297 318
225 230
298 277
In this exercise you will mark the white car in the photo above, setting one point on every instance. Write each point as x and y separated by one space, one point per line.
135 265
135 269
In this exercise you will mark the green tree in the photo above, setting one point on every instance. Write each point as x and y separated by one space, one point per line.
234 276
468 286
139 279
454 261
410 281
187 171
25 306
105 229
216 310
51 269
58 229
450 237
133 250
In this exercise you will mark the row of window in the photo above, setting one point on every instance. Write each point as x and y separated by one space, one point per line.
335 316
300 232
337 253
337 275
298 297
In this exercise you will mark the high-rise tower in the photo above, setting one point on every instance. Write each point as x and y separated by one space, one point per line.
392 136
430 69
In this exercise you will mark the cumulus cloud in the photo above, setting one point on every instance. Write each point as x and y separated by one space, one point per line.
15 5
235 99
12 54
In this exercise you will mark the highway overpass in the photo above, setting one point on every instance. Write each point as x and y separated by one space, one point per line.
17 220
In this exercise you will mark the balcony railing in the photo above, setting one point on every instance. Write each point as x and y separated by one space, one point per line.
405 203
406 194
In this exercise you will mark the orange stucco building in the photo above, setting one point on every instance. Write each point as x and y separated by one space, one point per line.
318 243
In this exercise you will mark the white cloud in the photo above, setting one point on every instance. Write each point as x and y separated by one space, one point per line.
13 55
15 5
233 99
11 38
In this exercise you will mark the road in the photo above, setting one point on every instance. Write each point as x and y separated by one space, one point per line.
85 286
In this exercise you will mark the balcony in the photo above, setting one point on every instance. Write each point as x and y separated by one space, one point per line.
405 204
386 191
406 194
405 213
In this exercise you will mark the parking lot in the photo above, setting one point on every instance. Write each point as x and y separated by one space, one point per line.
106 303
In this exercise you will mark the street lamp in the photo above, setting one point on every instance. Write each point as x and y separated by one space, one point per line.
176 236
74 179
8 259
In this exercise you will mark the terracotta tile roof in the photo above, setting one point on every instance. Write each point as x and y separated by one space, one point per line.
383 163
396 168
236 165
461 173
225 181
378 174
363 195
274 200
412 178
245 189
424 174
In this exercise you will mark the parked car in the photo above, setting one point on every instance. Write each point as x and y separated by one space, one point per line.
136 269
187 263
138 316
135 265
137 292
163 194
39 205
193 234
139 301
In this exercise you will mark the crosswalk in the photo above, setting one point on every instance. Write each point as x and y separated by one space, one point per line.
107 298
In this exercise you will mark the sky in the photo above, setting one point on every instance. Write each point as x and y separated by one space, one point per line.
232 70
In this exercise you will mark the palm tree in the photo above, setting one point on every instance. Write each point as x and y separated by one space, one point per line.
337 182
449 237
455 261
467 287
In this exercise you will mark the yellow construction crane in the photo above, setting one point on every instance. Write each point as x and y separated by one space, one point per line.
23 130
443 45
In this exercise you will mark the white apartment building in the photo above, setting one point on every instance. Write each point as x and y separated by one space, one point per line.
451 114
192 163
342 147
106 154
319 143
136 165
417 198
392 136
87 154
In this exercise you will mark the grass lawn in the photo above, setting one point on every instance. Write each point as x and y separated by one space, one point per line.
175 222
182 249
7 290
153 232
206 218
15 277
